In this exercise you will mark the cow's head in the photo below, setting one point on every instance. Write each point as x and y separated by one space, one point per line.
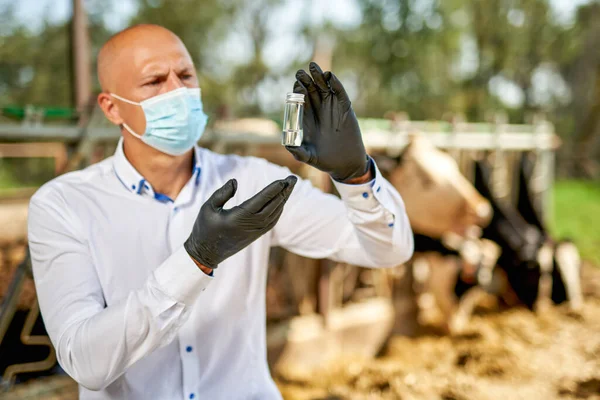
438 198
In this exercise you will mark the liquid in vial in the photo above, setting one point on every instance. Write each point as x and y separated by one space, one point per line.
292 120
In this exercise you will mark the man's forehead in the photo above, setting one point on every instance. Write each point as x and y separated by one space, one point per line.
137 48
158 57
149 47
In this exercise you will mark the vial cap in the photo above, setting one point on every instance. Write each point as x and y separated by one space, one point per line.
295 97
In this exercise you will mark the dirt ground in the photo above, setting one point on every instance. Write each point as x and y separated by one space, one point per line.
511 355
514 354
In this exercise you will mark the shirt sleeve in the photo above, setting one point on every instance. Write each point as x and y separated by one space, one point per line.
94 343
367 226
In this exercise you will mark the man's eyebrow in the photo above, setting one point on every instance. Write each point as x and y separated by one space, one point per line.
184 68
153 74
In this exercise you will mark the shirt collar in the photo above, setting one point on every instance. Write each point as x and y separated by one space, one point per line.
133 181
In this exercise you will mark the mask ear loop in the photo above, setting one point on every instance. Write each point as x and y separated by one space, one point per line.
125 100
131 131
124 124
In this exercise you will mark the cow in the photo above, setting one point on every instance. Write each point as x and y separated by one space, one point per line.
520 241
447 215
437 196
537 267
514 259
561 263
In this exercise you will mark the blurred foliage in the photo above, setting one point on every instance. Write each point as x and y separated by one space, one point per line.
36 68
431 59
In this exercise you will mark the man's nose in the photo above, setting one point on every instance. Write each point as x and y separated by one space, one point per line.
173 82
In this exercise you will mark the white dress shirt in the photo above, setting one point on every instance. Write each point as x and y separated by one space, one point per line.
130 314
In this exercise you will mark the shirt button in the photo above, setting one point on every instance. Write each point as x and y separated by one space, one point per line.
391 224
176 209
378 189
188 349
365 195
192 395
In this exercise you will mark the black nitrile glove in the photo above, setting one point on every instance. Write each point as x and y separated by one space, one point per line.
332 141
219 233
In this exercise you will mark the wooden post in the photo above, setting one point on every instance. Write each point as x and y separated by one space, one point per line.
323 52
457 122
544 177
81 57
500 176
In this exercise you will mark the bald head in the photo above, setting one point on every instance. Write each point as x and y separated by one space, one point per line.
127 46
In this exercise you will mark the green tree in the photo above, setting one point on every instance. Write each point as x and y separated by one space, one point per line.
575 50
35 68
403 52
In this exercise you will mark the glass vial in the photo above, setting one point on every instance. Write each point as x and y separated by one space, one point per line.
292 120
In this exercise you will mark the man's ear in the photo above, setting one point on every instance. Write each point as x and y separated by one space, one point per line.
110 109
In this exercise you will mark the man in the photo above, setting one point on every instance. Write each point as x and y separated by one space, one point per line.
150 287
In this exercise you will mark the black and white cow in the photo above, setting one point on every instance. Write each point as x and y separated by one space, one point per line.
512 258
536 266
563 263
520 242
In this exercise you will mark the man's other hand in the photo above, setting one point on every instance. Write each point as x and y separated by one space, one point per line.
219 233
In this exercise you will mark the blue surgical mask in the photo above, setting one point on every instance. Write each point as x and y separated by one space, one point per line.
175 120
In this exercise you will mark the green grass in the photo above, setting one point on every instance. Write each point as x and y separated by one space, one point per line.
577 216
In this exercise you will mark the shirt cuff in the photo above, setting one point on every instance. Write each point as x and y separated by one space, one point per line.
180 277
363 196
